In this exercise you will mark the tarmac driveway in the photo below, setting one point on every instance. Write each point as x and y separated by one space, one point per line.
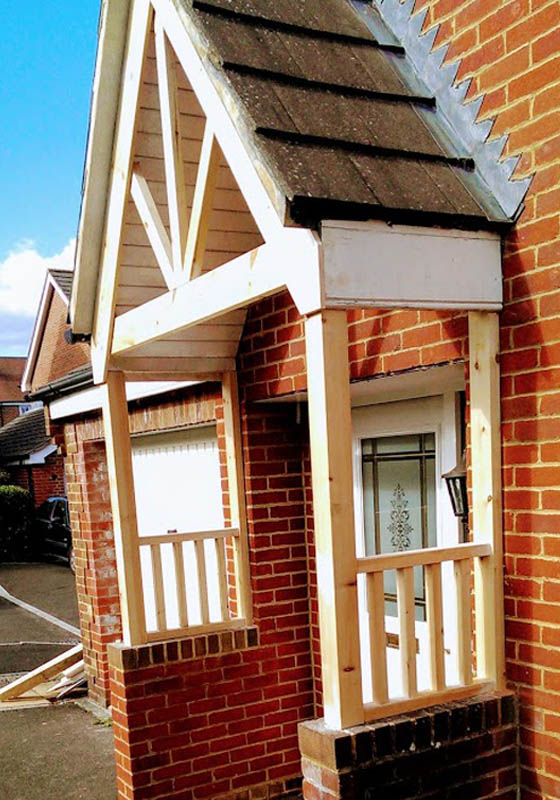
26 640
58 751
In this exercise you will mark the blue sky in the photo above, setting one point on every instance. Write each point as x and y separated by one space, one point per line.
47 52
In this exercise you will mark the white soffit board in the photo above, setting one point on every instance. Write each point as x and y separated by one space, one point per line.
376 265
91 399
425 382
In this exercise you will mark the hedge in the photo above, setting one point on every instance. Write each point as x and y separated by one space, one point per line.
16 520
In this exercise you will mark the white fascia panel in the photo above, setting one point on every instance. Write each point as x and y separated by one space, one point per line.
376 265
91 399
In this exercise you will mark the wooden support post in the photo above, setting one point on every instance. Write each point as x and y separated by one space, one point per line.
484 346
330 423
123 505
236 486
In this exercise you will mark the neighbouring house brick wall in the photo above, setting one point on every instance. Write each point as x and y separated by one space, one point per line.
56 357
8 413
41 480
48 479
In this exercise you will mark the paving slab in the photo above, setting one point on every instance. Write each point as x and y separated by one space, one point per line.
56 752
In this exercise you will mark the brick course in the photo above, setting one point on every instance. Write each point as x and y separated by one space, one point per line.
461 751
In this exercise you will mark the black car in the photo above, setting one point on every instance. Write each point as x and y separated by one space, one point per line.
53 536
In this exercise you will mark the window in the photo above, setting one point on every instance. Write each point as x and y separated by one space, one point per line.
399 502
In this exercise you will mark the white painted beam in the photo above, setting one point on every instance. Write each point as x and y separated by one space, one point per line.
139 30
290 261
375 265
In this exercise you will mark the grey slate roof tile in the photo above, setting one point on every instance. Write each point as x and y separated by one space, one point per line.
64 279
23 436
334 119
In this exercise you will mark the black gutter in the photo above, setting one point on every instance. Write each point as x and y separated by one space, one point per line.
69 384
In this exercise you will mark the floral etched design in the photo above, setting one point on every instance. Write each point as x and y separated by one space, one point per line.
399 527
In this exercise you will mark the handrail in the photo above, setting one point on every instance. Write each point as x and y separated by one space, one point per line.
193 536
419 558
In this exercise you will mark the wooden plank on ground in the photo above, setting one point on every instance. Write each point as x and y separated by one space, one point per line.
41 674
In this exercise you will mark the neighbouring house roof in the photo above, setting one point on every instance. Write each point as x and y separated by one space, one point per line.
11 372
24 436
344 131
50 355
62 278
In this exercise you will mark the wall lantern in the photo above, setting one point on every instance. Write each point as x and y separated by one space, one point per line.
456 480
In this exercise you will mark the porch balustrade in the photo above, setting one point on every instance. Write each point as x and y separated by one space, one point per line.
186 583
185 577
404 563
480 659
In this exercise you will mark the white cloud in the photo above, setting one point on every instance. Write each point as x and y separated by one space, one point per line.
22 275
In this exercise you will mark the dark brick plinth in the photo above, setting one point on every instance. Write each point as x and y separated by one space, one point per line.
459 751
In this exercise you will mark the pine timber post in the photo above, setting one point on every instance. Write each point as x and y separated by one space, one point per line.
236 485
330 423
123 504
487 493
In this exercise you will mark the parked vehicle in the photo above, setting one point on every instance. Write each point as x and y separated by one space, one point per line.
53 535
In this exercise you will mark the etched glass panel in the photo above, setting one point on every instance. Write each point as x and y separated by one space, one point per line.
399 503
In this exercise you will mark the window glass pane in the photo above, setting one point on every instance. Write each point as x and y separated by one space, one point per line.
430 442
398 444
431 511
369 508
400 505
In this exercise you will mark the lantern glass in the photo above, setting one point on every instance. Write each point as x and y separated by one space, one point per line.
456 481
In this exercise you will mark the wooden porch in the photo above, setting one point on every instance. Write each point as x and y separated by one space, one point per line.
181 318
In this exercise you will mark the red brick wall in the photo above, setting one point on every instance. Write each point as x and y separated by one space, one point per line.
91 519
511 50
8 413
204 717
47 480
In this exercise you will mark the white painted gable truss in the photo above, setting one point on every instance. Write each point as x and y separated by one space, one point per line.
195 226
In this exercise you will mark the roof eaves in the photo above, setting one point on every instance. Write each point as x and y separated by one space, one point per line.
113 27
38 330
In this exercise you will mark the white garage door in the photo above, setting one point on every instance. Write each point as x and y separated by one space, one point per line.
178 488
